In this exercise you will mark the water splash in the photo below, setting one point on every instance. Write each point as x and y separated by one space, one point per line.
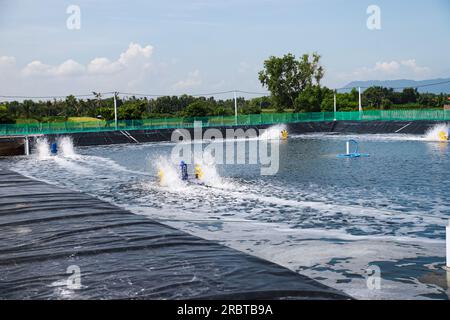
65 145
273 132
211 176
168 175
42 149
433 133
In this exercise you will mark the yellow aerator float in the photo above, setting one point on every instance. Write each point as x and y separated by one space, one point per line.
198 172
161 176
443 136
284 134
183 175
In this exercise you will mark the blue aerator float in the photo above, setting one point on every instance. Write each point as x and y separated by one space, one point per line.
184 172
184 175
54 148
355 153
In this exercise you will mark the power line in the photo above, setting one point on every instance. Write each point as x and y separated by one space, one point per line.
142 94
399 88
254 93
169 95
424 85
133 94
200 94
211 94
56 97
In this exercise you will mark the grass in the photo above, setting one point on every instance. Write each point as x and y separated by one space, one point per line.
275 111
70 119
26 121
83 119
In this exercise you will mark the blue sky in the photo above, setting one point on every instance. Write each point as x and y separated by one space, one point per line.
195 46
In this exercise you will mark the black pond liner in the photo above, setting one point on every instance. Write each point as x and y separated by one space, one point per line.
44 229
338 127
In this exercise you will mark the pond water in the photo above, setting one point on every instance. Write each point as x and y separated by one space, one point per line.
335 220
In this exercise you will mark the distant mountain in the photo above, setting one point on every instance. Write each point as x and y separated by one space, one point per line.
443 85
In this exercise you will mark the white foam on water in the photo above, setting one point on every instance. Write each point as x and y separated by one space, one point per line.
72 166
273 132
433 133
359 137
170 178
66 147
306 250
350 210
106 163
211 176
282 242
65 159
42 149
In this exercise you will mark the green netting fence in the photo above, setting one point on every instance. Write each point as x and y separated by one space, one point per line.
254 119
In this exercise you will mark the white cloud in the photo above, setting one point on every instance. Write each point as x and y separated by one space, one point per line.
7 62
135 53
133 69
103 66
388 67
135 57
69 68
66 69
412 64
389 70
193 80
36 68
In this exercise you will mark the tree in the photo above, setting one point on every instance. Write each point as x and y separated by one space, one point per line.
131 109
376 97
287 77
106 113
385 104
4 116
409 95
253 106
27 107
71 106
221 111
198 109
263 102
308 100
427 100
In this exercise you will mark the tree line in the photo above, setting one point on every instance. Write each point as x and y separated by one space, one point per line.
128 108
294 85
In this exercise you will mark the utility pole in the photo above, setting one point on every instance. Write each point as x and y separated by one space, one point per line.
360 101
115 109
27 146
235 108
